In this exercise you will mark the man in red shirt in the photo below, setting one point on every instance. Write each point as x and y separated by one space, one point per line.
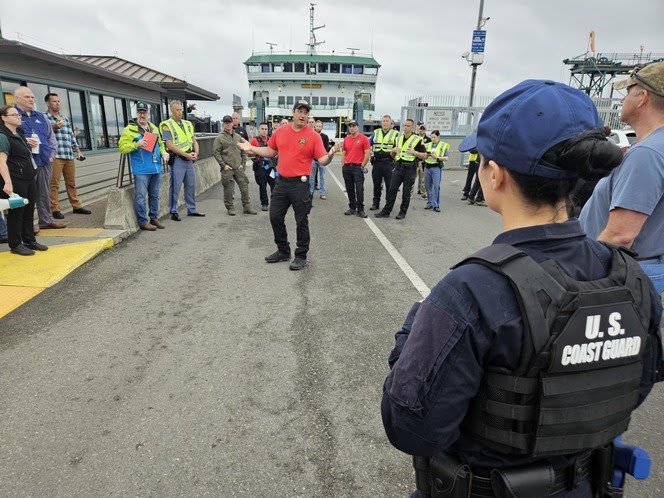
297 145
356 154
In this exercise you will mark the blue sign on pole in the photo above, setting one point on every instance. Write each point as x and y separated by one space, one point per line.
479 37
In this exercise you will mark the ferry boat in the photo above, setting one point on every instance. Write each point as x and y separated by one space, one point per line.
332 83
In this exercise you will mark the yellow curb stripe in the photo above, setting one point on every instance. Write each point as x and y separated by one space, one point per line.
13 297
70 232
46 268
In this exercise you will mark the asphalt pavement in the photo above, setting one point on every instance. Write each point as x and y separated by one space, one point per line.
179 363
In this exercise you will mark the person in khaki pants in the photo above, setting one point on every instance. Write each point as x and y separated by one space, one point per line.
63 164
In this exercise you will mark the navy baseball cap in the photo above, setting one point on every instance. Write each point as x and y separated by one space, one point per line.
521 124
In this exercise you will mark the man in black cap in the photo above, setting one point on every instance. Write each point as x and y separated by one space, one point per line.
356 154
231 160
297 145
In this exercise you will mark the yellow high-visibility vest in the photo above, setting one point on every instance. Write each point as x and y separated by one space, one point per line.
472 157
439 150
410 143
183 139
384 141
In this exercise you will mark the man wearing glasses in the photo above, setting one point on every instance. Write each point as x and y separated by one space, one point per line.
627 207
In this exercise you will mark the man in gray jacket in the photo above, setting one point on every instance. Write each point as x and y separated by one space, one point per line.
232 160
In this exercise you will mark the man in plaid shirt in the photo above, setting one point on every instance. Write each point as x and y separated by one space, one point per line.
64 159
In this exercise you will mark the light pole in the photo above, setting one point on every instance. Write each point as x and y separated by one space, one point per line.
475 59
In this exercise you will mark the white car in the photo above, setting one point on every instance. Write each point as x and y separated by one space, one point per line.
623 138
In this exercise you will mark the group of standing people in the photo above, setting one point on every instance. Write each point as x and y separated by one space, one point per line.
36 150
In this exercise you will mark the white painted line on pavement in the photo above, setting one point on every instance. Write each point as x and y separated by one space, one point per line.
411 274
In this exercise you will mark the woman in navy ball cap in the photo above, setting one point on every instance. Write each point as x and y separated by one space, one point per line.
515 374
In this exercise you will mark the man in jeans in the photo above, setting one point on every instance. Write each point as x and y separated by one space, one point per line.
356 153
316 169
626 207
140 139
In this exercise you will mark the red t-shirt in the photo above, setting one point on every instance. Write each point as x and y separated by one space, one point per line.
254 141
296 149
354 148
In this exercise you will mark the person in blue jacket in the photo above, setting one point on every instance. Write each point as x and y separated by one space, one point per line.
146 156
510 378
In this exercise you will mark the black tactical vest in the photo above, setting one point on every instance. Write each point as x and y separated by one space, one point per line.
581 363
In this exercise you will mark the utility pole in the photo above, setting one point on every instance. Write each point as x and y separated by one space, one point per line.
476 55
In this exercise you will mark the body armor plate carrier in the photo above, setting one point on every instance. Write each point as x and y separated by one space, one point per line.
582 359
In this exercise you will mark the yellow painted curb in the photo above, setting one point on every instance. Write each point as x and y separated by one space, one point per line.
48 267
70 232
13 297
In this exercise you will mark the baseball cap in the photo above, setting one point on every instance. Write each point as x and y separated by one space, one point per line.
141 106
227 119
301 103
524 122
650 77
352 123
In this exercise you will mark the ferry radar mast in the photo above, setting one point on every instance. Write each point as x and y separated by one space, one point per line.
311 47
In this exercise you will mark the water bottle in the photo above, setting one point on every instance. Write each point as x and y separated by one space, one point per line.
14 201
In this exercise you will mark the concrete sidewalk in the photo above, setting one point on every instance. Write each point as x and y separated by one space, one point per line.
23 277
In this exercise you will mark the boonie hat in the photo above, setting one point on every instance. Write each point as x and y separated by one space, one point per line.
521 124
301 103
142 106
650 77
227 119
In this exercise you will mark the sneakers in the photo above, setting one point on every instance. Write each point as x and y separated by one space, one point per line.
157 223
277 257
298 263
249 210
471 201
349 212
36 246
21 250
323 196
58 215
264 207
400 216
231 212
362 214
437 210
429 207
175 217
374 207
480 203
464 198
382 214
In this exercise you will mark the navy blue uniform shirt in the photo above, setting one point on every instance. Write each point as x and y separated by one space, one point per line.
471 320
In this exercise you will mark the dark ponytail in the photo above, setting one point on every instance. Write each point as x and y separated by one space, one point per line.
589 155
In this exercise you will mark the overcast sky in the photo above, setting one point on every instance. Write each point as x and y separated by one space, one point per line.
419 49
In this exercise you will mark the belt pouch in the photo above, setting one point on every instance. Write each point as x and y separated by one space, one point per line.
449 477
522 482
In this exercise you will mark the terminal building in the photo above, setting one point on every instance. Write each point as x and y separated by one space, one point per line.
98 95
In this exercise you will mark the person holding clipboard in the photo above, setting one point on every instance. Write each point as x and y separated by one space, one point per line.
141 140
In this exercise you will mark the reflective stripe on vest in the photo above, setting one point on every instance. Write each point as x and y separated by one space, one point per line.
410 143
384 141
472 157
439 150
183 139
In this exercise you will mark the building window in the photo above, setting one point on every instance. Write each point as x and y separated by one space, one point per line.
358 69
332 101
298 98
299 67
98 123
278 68
121 112
265 68
314 100
8 88
282 100
289 100
253 68
112 123
371 70
334 68
288 67
347 68
78 118
323 67
323 101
